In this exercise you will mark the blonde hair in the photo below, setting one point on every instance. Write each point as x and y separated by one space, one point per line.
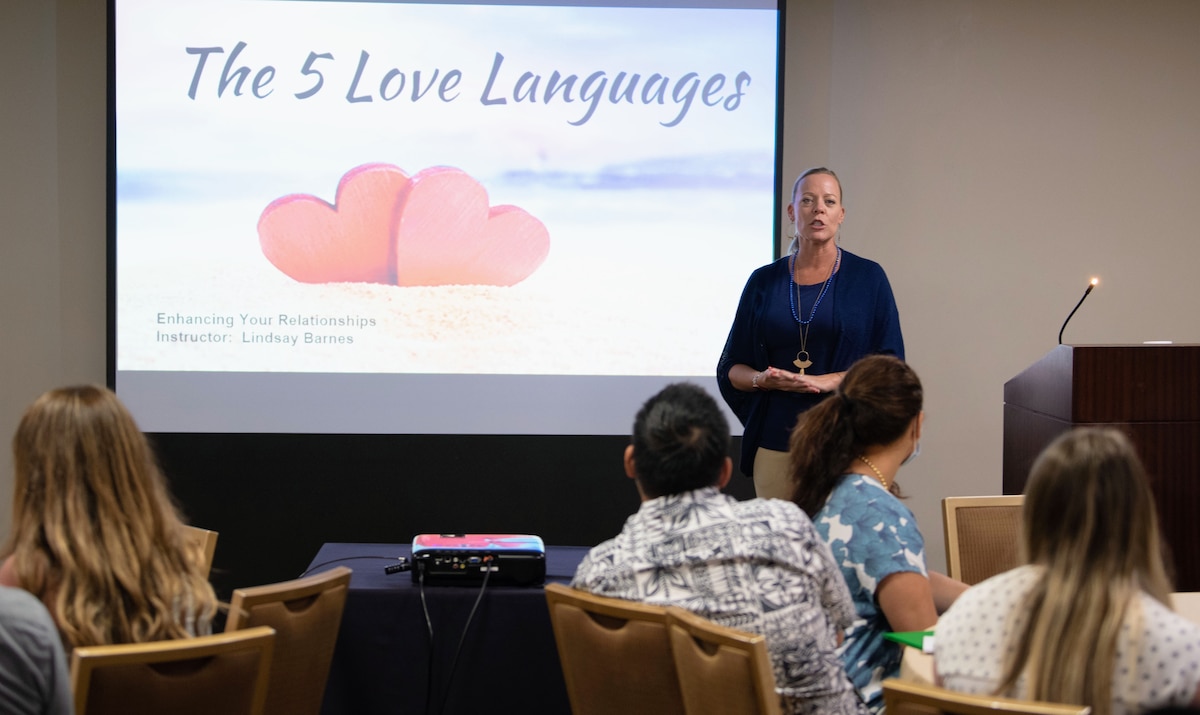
95 532
1090 523
809 172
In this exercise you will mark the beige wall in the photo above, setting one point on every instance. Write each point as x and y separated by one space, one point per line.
995 156
52 205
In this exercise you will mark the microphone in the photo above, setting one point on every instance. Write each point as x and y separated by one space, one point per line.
1085 295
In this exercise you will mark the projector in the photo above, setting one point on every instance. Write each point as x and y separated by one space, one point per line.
465 559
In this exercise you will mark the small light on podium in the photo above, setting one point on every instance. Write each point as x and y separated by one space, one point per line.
1092 284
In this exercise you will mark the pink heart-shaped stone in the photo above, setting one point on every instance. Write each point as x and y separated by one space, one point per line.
348 241
447 235
514 245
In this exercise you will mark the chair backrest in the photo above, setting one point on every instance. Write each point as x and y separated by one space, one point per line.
901 697
982 534
722 671
206 540
306 614
1187 604
225 673
615 654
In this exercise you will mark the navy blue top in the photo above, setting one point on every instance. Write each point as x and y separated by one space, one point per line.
856 318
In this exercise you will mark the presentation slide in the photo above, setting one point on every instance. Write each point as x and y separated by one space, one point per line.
395 217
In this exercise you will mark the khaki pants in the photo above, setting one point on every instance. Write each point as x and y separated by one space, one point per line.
771 475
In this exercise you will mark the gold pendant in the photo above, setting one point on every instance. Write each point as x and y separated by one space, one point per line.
802 362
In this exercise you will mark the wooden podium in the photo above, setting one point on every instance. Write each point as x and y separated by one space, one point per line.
1149 392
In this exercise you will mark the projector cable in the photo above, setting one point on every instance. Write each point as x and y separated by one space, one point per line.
429 629
487 572
402 559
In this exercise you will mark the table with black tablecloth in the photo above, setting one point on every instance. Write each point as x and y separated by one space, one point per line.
507 662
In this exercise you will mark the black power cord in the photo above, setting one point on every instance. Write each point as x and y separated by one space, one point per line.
487 572
402 566
428 629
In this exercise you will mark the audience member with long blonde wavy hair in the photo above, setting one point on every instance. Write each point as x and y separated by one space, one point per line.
1088 620
95 533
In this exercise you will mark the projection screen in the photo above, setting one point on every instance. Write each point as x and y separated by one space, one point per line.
432 218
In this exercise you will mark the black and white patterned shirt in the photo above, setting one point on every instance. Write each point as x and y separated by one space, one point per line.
757 566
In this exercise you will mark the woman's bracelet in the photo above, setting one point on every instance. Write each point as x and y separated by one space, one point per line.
754 381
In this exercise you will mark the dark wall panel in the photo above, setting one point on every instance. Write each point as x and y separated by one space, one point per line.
275 498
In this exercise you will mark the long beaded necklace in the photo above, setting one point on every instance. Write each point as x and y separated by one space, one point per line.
802 360
869 463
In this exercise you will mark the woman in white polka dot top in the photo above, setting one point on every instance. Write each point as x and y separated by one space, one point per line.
1087 621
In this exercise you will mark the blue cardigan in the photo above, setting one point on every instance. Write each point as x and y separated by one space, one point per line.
866 322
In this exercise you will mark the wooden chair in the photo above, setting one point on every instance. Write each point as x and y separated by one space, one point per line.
615 654
904 698
982 534
224 673
721 670
1187 604
306 615
206 540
